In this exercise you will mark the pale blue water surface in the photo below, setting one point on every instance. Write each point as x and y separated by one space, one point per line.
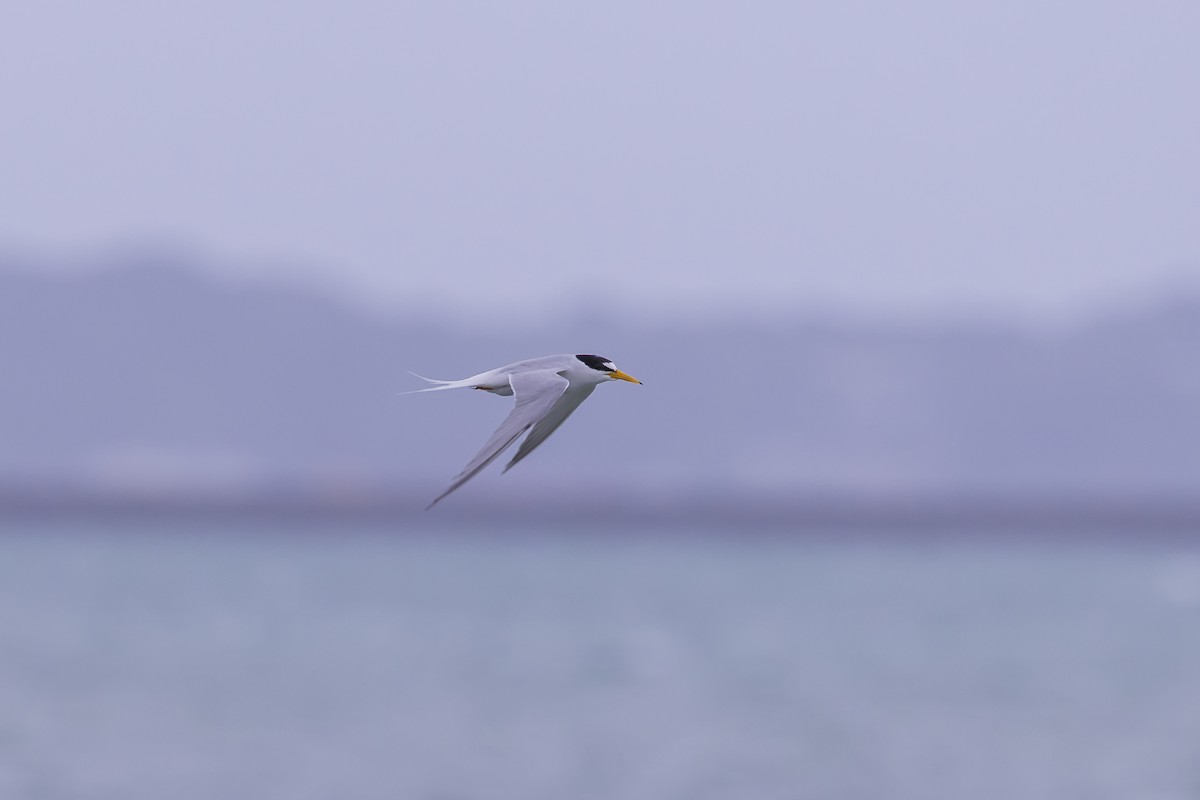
250 660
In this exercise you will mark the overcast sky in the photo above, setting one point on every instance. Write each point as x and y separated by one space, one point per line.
898 156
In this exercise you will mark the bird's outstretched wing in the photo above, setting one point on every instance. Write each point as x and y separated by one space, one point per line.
535 394
557 415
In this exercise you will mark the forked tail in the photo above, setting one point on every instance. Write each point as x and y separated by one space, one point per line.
439 384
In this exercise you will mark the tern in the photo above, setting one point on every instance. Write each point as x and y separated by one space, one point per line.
546 391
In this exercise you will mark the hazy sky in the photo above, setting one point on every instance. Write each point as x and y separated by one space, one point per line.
1038 155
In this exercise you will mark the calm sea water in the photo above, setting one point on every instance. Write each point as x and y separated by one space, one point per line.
224 661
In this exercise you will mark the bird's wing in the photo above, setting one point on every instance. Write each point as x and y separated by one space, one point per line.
535 394
556 416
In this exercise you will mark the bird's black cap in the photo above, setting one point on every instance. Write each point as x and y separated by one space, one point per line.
598 363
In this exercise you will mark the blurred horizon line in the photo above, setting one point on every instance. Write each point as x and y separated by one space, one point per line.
1131 516
149 380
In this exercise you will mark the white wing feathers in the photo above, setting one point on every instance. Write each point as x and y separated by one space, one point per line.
556 416
536 394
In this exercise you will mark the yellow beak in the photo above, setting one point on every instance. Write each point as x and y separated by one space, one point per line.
621 376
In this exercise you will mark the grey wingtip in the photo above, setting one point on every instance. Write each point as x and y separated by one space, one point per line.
454 487
512 463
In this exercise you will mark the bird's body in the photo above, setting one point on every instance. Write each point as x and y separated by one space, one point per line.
546 389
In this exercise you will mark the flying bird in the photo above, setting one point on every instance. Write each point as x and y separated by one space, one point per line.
546 391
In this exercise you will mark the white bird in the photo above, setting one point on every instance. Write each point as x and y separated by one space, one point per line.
547 390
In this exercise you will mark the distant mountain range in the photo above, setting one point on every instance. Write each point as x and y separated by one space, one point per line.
152 375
